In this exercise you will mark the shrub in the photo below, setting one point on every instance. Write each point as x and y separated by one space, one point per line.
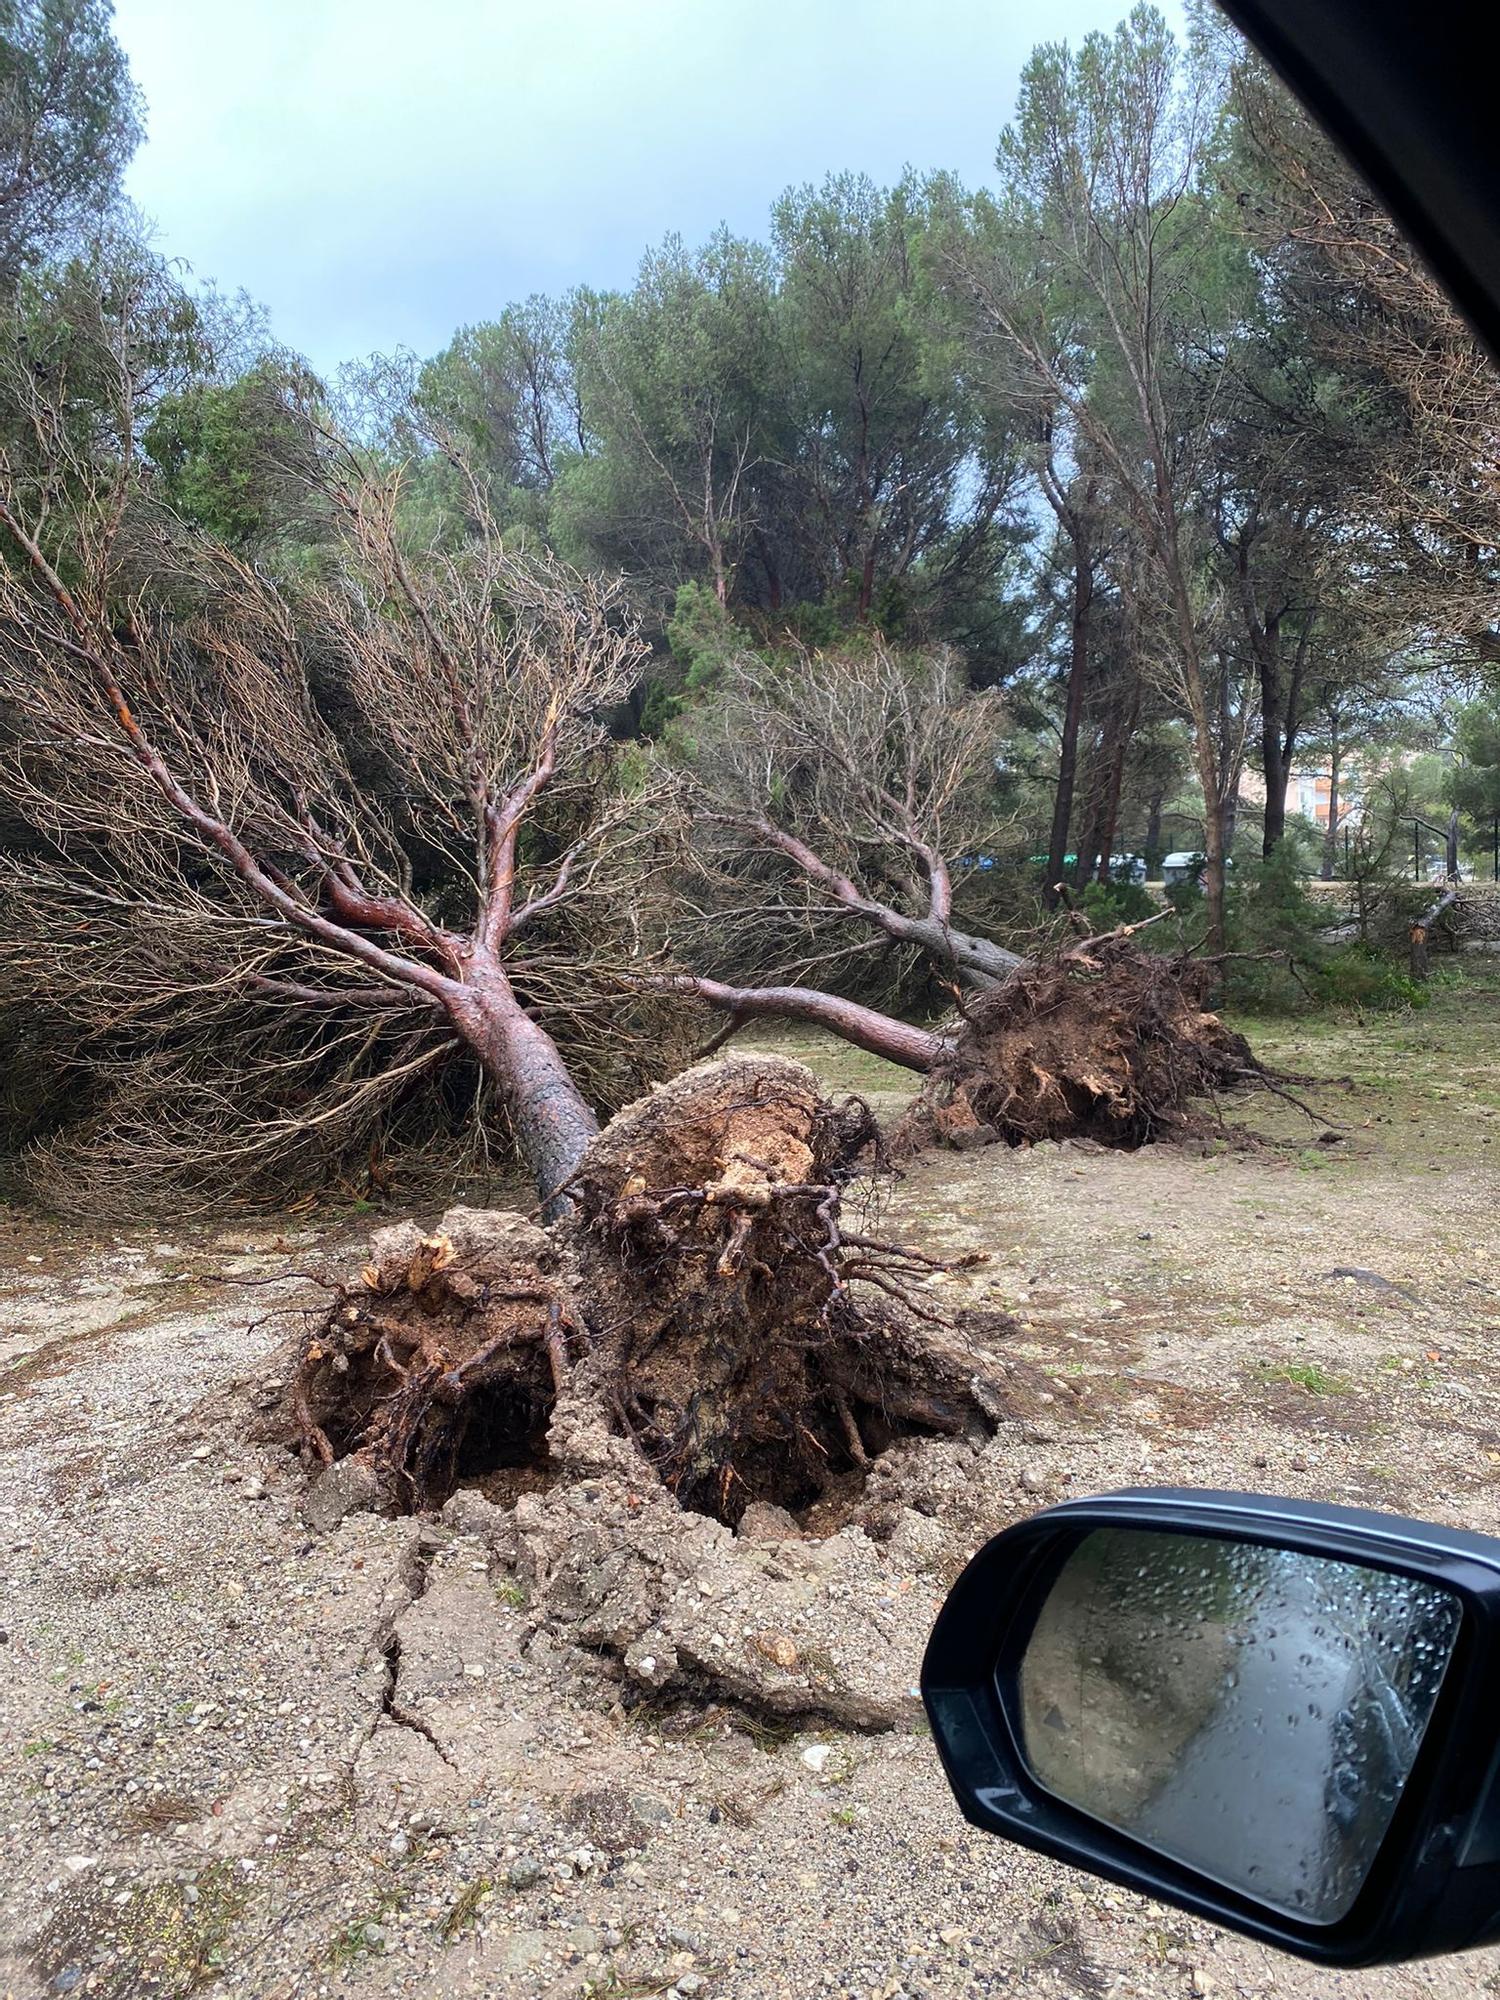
1271 917
1107 904
1359 978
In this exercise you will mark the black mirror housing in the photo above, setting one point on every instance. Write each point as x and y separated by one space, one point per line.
1433 1884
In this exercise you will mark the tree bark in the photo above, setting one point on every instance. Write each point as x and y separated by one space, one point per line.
772 572
978 961
1109 818
1280 702
553 1123
865 1027
1154 848
1067 759
866 587
1421 928
1331 838
1276 762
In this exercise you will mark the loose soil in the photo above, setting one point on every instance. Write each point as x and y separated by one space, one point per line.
398 1757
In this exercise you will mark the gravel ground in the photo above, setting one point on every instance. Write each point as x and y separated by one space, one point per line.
238 1752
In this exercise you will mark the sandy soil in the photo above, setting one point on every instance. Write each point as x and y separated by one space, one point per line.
237 1752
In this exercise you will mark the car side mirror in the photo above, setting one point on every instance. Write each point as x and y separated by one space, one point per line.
1273 1714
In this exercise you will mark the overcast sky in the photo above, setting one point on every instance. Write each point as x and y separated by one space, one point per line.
380 172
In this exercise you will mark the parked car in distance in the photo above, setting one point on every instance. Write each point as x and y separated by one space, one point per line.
1187 865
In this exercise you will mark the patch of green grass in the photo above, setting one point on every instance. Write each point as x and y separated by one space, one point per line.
161 1941
1308 1375
464 1913
349 1946
511 1594
354 1942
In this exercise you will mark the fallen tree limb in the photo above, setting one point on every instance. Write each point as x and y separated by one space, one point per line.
1422 926
865 1027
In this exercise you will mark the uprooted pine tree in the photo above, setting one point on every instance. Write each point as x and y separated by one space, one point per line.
286 858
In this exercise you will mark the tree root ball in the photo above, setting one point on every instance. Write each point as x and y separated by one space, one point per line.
1103 1041
706 1316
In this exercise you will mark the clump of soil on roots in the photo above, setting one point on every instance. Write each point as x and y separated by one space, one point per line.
706 1316
1101 1041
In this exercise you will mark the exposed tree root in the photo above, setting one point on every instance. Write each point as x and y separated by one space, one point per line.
704 1315
1100 1041
448 1348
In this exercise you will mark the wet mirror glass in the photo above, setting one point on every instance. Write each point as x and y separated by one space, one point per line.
1250 1711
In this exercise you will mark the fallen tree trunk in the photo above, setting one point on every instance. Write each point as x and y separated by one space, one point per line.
1422 926
1097 1039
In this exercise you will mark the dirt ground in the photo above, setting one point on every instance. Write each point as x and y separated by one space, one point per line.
386 1757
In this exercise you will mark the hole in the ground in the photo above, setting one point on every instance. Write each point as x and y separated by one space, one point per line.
425 1426
503 1450
812 1474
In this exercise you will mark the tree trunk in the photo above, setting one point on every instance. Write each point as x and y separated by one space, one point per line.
553 1123
1154 848
1200 715
773 573
1276 762
1420 929
1213 853
865 1027
1109 818
1067 760
978 961
866 586
1331 838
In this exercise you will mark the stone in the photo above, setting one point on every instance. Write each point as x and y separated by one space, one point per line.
776 1647
762 1521
521 1950
523 1872
346 1487
649 1809
469 1513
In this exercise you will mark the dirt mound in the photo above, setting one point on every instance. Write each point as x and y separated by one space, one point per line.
704 1318
1101 1041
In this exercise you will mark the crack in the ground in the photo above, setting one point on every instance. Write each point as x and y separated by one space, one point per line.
415 1575
698 1687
